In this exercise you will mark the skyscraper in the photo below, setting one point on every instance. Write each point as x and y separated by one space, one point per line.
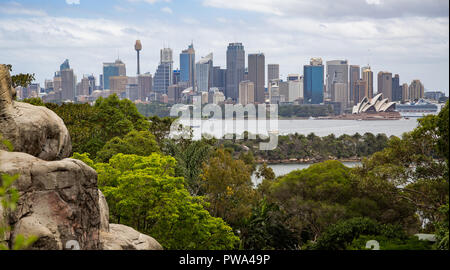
64 65
112 69
91 79
163 75
246 92
219 78
68 81
405 92
313 81
367 75
337 72
359 91
204 73
118 85
396 88
138 48
256 74
187 65
273 72
235 69
354 77
144 86
385 84
416 90
84 87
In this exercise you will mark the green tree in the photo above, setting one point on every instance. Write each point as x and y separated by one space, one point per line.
141 143
144 193
228 187
354 234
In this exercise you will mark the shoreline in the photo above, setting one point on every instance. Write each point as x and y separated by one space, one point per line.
305 161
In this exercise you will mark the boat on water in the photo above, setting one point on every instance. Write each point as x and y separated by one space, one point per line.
417 109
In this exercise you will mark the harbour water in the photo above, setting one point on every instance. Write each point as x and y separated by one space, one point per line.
218 128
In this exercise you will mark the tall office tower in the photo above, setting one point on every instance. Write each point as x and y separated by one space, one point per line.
138 48
273 72
359 91
144 86
385 84
295 87
48 86
416 90
132 91
256 74
219 78
112 69
405 92
235 69
354 76
166 55
341 94
283 88
57 84
84 87
337 72
118 85
246 92
164 74
68 81
187 66
64 65
396 88
100 81
204 73
313 87
176 76
367 75
91 79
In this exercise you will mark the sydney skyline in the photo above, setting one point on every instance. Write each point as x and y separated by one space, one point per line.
410 38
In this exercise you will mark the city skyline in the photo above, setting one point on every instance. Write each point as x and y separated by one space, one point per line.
412 43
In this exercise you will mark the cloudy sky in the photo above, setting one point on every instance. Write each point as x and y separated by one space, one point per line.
408 37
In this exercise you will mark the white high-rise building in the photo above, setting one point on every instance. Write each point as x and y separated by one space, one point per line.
204 73
337 72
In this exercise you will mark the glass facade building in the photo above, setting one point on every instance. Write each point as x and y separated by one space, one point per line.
313 84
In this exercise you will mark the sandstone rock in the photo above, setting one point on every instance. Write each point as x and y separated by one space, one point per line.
121 237
104 212
58 201
35 130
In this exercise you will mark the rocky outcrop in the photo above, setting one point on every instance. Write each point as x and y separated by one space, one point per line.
121 237
58 201
35 130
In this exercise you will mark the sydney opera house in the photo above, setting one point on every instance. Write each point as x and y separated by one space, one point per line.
375 105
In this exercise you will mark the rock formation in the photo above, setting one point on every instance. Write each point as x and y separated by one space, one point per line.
35 130
59 198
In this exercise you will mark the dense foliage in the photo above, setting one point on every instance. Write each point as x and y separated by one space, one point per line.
144 193
313 148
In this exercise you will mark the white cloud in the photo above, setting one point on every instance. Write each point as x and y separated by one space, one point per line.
326 9
414 47
14 8
167 10
73 2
